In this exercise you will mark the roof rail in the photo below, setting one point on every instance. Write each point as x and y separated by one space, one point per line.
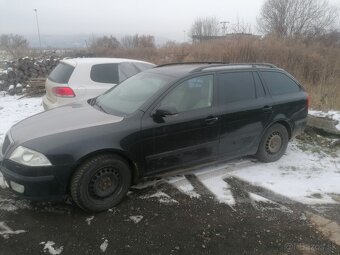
254 65
192 63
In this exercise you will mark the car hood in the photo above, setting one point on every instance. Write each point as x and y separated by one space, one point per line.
62 119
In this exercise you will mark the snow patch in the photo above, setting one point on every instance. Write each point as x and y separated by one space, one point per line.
256 201
219 188
11 205
162 198
184 186
48 247
136 219
6 231
89 219
302 176
104 245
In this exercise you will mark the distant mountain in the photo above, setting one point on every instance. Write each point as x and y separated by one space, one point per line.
72 41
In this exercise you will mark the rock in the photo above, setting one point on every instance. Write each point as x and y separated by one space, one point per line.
324 124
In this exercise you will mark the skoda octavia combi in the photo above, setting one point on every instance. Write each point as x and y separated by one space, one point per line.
166 118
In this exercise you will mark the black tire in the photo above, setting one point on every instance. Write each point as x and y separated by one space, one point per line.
273 144
100 183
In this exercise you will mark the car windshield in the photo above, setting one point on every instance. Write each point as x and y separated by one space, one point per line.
132 93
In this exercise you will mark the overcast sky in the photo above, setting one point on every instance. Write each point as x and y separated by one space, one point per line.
157 17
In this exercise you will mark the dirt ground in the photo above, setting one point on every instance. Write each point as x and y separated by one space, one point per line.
177 224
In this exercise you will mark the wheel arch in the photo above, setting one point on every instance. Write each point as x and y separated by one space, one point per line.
287 125
283 122
135 174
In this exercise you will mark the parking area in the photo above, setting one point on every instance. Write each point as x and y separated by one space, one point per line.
238 207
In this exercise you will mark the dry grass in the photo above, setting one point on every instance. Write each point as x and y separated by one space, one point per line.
315 65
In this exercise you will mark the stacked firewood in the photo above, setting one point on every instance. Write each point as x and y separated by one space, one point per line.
16 75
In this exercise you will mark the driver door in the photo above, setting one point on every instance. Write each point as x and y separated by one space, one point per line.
191 135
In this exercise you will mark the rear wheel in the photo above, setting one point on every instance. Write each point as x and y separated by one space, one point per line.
273 144
100 182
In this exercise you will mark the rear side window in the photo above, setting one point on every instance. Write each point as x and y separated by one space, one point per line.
234 87
61 73
279 83
105 73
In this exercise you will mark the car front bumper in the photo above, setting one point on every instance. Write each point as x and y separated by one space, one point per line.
36 183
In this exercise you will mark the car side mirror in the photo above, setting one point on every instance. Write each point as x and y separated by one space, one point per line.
164 111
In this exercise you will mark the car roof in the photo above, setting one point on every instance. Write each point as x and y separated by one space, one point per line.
181 69
76 61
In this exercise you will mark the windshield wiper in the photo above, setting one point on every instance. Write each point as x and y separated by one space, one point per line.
97 105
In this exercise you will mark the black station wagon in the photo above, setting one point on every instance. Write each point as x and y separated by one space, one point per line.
167 118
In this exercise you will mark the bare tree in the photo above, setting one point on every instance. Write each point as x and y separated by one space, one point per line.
14 45
205 27
129 41
297 18
105 42
138 41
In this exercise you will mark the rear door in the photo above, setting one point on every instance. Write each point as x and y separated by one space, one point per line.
246 110
190 136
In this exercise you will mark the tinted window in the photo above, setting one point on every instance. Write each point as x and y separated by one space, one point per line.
234 87
192 94
61 73
279 83
259 87
105 73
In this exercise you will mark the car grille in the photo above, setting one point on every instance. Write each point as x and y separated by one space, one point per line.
6 144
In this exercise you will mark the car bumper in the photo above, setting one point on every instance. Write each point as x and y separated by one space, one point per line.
48 104
41 183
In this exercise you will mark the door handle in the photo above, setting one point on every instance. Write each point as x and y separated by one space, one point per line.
211 119
267 108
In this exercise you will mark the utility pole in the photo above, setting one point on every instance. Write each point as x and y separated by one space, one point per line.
224 27
36 17
184 36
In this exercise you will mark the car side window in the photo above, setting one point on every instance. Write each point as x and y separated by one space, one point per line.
105 73
195 93
279 83
235 87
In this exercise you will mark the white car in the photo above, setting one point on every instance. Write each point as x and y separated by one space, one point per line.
83 78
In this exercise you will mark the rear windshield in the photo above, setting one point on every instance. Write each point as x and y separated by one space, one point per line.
61 73
105 73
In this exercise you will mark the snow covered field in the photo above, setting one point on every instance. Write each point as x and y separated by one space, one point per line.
305 175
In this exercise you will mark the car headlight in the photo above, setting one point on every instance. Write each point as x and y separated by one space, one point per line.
29 157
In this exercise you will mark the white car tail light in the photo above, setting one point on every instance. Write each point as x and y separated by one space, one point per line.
63 92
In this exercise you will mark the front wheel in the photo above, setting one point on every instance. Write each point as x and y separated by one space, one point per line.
273 144
100 183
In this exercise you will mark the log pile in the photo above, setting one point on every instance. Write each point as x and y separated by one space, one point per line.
35 87
16 74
